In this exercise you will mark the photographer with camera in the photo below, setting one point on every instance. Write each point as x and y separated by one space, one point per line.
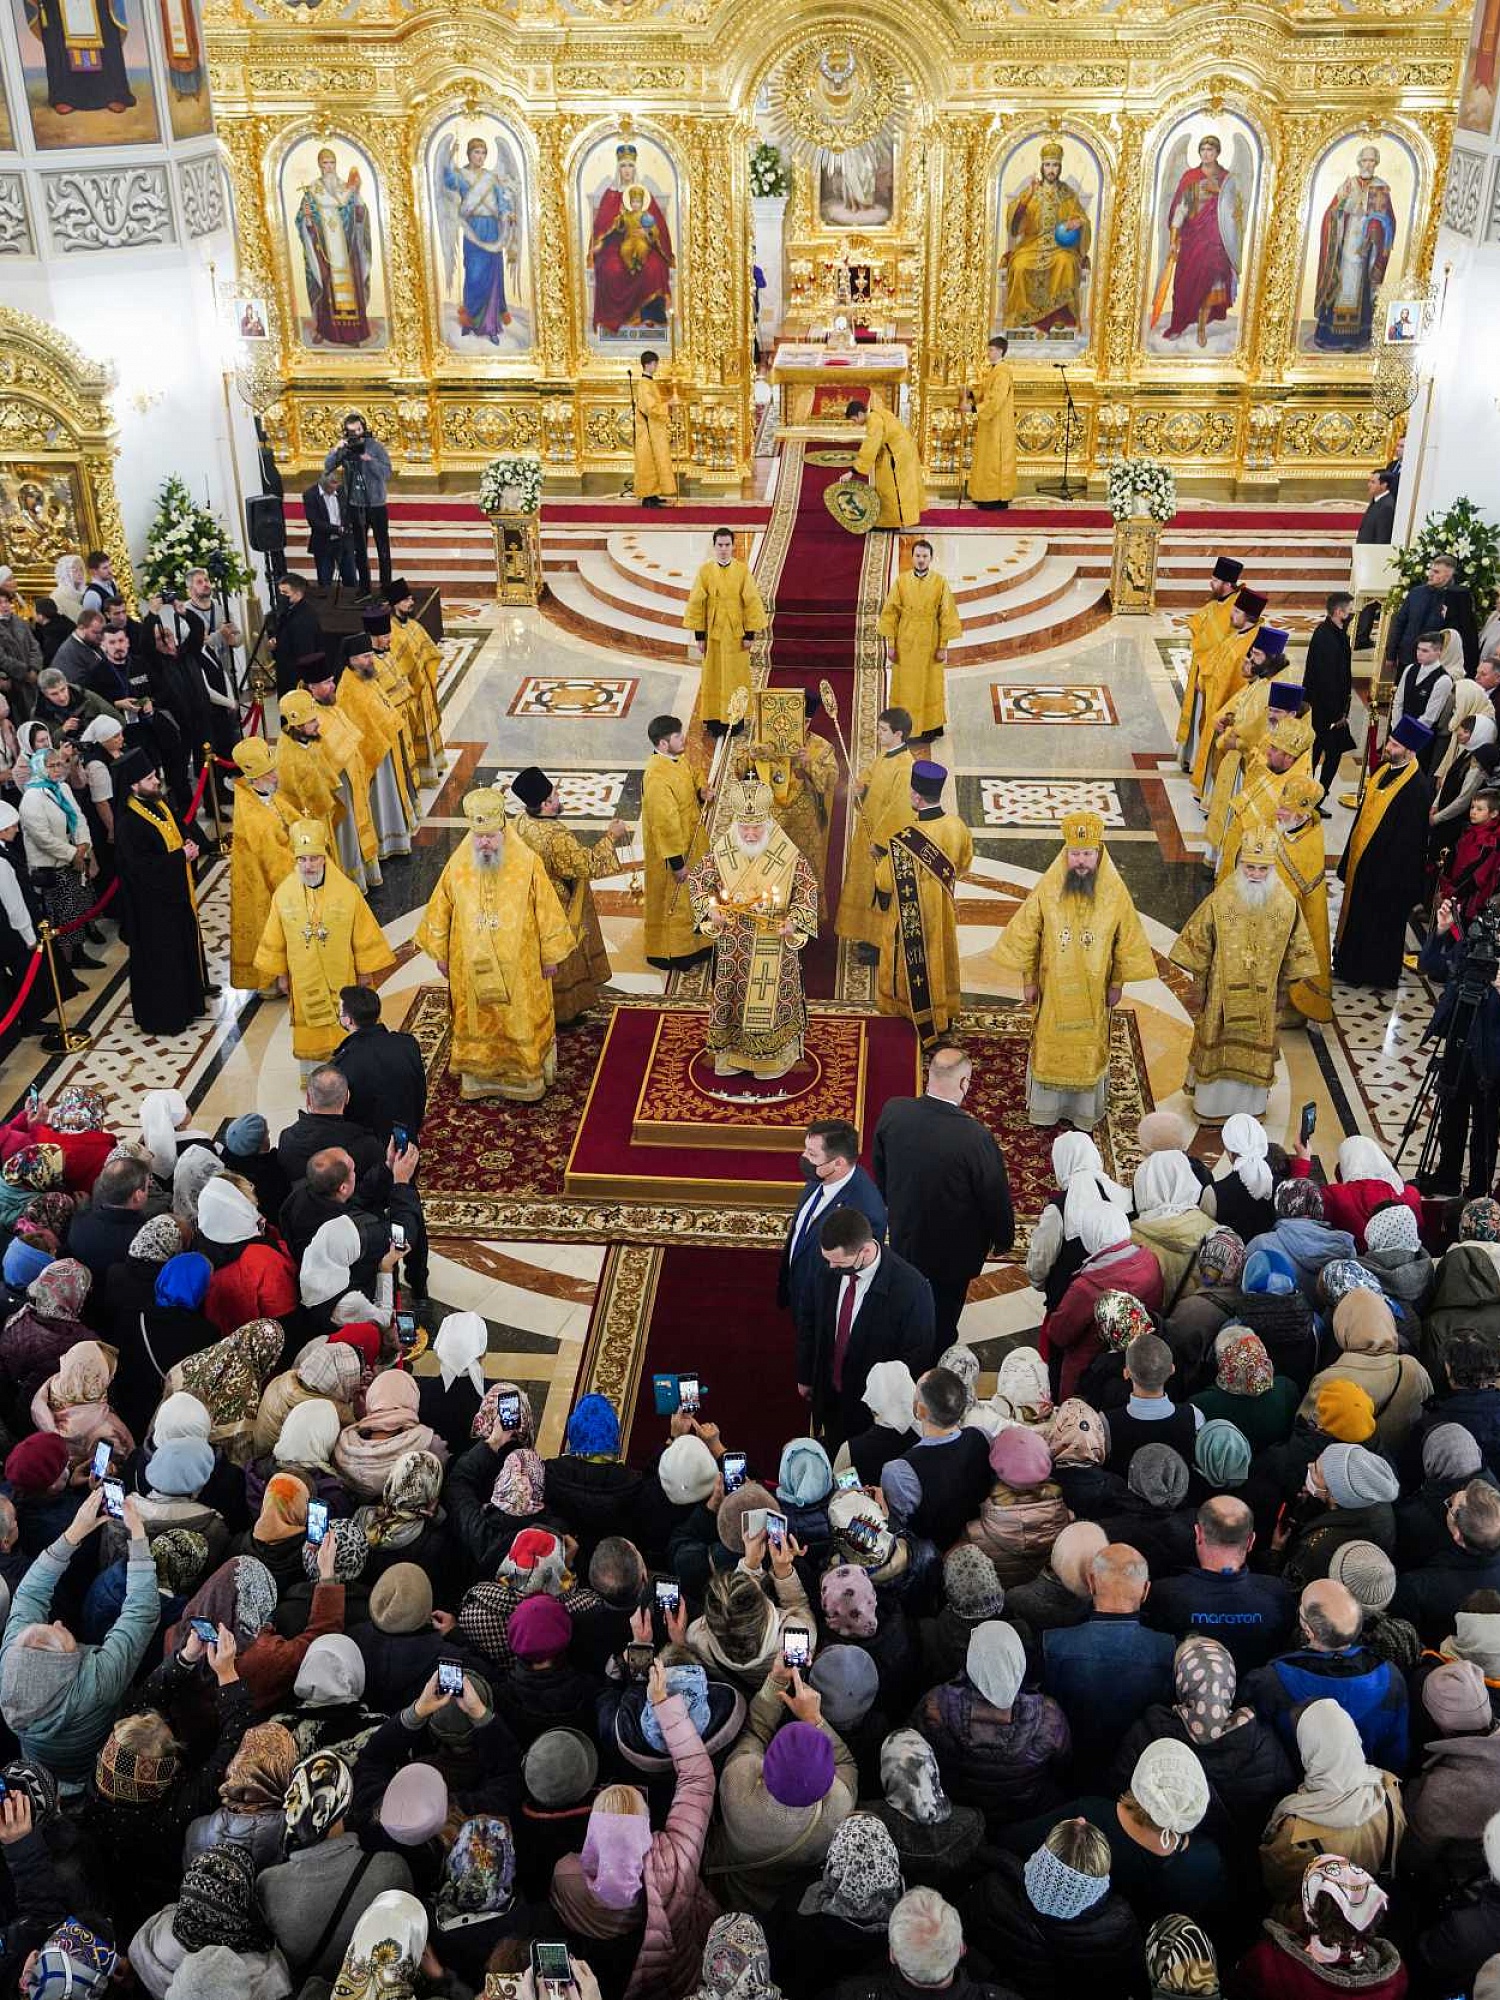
1465 1068
366 466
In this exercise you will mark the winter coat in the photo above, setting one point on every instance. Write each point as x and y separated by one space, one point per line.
1466 1299
1017 1527
790 1607
761 1843
156 1956
1069 1330
1310 1245
1448 1804
1319 1541
1397 1384
1371 1690
1173 1240
1053 1958
298 1898
1350 1204
1279 1968
1407 1275
931 1855
1004 1767
1262 1420
596 1497
1291 1843
1248 1770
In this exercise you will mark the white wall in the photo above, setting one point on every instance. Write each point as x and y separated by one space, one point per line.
1463 436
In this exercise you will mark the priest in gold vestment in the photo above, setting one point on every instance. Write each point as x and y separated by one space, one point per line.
415 652
319 937
497 933
1208 627
1076 941
382 744
673 837
315 784
1241 724
1285 752
724 613
992 471
1303 866
919 622
655 479
882 807
571 869
916 883
806 810
395 684
755 896
1220 676
338 743
260 856
1245 945
888 458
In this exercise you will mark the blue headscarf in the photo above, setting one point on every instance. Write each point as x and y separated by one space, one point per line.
1269 1271
691 1682
594 1429
40 782
805 1476
183 1281
23 1262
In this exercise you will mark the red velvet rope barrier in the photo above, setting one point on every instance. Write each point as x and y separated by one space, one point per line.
26 985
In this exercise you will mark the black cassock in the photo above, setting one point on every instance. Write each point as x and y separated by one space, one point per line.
167 973
1387 883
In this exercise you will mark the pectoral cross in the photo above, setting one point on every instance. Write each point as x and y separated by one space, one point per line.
764 982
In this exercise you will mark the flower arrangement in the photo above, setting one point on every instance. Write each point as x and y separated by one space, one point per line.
1141 486
184 537
512 484
1462 531
769 173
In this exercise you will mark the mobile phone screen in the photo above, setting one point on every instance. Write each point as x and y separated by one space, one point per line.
508 1409
776 1528
450 1677
848 1479
100 1467
688 1392
1309 1121
206 1629
551 1962
317 1521
796 1645
114 1499
733 1467
399 1138
863 1534
668 1593
406 1329
398 1237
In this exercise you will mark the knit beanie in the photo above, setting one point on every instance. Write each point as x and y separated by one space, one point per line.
1393 1228
245 1135
1056 1890
1457 1699
560 1768
1356 1477
1344 1411
687 1470
37 1462
181 1468
401 1600
805 1477
798 1768
1366 1572
539 1629
735 1506
972 1585
1158 1475
849 1606
414 1805
1168 1784
1222 1453
1450 1452
848 1680
1020 1457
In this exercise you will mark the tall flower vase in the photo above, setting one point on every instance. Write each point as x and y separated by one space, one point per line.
1132 582
518 557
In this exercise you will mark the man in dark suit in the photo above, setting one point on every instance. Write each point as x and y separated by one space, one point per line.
298 633
382 1066
868 1305
835 1179
1378 522
1328 683
944 1181
330 540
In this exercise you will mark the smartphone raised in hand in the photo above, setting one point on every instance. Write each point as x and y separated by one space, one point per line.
776 1530
735 1469
450 1677
317 1521
848 1479
206 1629
406 1329
114 1498
689 1394
1309 1123
508 1410
99 1467
551 1969
796 1645
668 1594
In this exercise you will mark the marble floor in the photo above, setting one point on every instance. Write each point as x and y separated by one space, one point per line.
524 687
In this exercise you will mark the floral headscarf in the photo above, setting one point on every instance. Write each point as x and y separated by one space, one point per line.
1244 1367
181 1556
228 1377
157 1241
34 1168
216 1901
1358 1896
60 1290
260 1770
479 1875
1221 1257
1301 1197
318 1793
79 1109
736 1962
1205 1683
910 1778
488 1414
83 1375
241 1594
412 1490
1077 1435
1119 1318
861 1880
1480 1221
283 1509
521 1485
385 1950
45 1218
1340 1276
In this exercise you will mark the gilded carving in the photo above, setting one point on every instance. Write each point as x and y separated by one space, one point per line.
606 431
1183 433
490 427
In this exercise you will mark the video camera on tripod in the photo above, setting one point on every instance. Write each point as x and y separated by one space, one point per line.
1465 1033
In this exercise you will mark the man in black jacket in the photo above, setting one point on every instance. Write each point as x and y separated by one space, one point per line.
326 1122
298 634
868 1305
1328 683
944 1182
101 1234
835 1179
1441 602
1378 522
329 534
1430 1597
384 1196
382 1067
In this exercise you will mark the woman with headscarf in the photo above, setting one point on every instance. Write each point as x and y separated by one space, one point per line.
739 1633
589 1483
351 1554
227 1379
1181 1961
1113 1262
59 852
934 1839
890 1396
390 1427
1053 1921
1394 1255
630 1885
254 1278
196 1166
1023 1394
1366 1180
325 1275
328 1711
165 1131
215 1906
34 1340
177 1419
75 1403
836 1928
408 1523
451 1397
736 1962
251 1797
1302 1237
1239 1195
304 1447
1056 1248
280 1529
1369 1355
999 1749
625 1714
323 1370
385 1951
477 1905
78 1121
241 1594
1024 1512
165 1332
1343 1806
1169 1219
1454 777
1329 1944
129 1287
36 1169
1247 1392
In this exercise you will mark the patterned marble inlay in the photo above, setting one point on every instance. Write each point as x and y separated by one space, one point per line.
1036 802
582 700
1080 702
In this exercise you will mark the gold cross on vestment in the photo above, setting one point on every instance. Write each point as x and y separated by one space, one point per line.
764 981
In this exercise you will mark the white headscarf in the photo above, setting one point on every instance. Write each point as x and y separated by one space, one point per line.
1246 1146
1452 656
9 817
889 1394
1360 1159
103 726
1484 730
309 1434
196 1167
1339 1788
162 1112
1022 1389
1469 701
462 1341
1103 1228
181 1416
328 1260
996 1662
396 1919
1165 1184
1080 1174
34 736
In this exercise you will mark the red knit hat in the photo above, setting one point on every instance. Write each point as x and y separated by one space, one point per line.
36 1462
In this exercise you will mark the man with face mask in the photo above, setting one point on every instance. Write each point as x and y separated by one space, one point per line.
297 633
157 906
319 937
260 858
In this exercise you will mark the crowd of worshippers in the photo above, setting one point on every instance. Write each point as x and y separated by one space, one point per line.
1168 1665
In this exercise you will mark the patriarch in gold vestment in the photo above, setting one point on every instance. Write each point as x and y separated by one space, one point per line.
919 622
655 479
992 470
1220 675
260 857
1076 941
319 937
416 653
382 743
571 869
755 896
724 613
1303 866
673 837
1285 752
337 743
497 933
1208 627
888 458
916 884
1245 945
884 807
1241 724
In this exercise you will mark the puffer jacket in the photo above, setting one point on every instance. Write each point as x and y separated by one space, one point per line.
1407 1275
1448 1805
1466 1300
1310 1245
1017 1527
1052 1958
1008 1769
931 1855
762 1844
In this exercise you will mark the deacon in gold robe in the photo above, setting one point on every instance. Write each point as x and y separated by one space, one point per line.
674 839
1244 945
260 857
391 679
1286 750
882 807
416 653
319 937
1384 865
755 896
992 472
337 743
888 458
1208 627
1242 722
382 744
724 613
655 480
498 934
1076 941
1220 677
916 882
919 622
806 813
571 868
1303 866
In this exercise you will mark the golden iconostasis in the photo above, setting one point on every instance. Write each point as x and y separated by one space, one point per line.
472 224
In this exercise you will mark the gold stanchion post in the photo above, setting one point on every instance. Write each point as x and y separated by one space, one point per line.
72 1044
